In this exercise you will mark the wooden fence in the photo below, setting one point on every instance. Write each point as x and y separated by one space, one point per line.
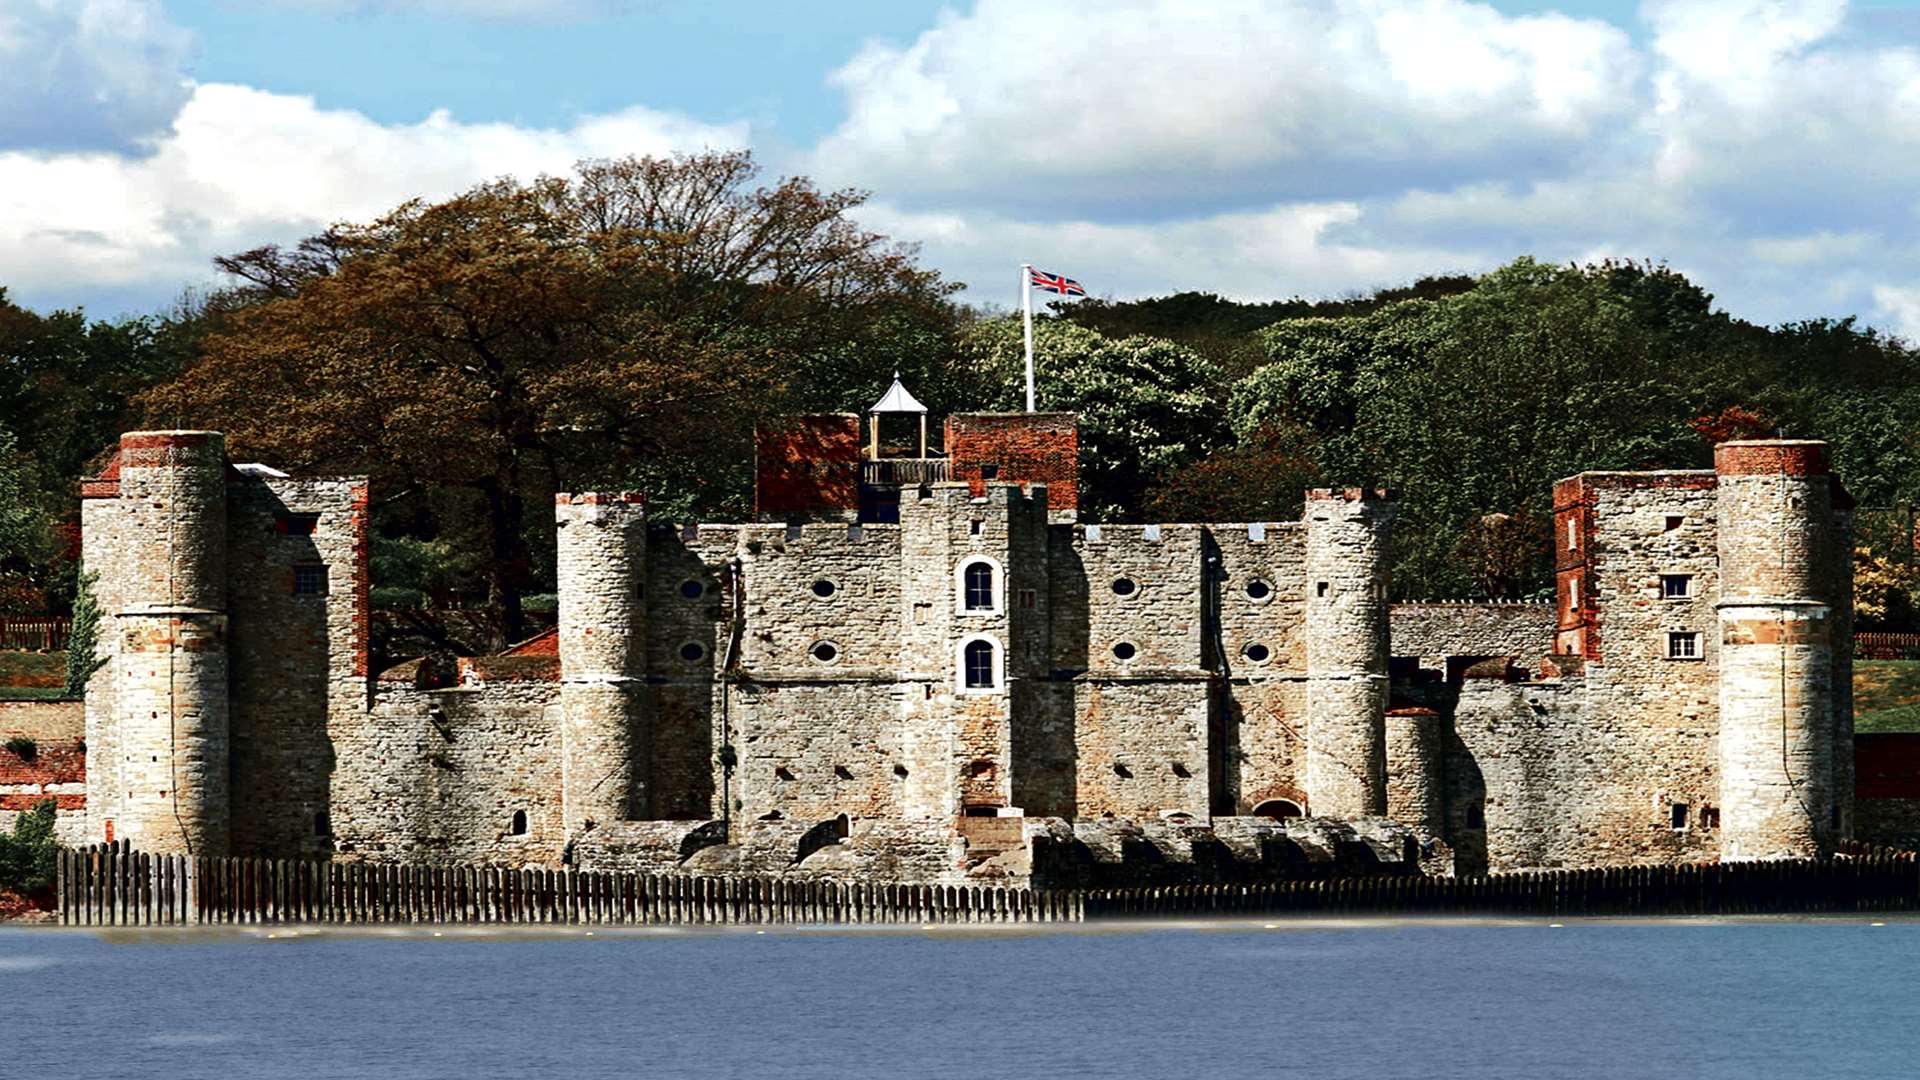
1886 646
109 885
49 633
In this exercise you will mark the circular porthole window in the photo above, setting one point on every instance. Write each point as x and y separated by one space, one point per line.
1257 653
824 588
825 651
693 589
693 652
1124 587
1124 651
1258 590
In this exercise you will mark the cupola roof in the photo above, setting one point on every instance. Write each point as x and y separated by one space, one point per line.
897 400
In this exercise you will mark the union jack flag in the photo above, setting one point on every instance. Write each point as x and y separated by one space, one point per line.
1054 283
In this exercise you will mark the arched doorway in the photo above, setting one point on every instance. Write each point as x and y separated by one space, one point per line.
1279 809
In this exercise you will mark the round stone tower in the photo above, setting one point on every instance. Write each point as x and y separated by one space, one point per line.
602 572
1413 769
1348 545
1778 722
170 653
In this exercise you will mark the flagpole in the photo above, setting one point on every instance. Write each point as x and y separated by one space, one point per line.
1026 305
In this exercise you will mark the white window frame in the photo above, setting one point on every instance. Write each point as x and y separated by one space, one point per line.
999 605
960 666
1698 645
1686 582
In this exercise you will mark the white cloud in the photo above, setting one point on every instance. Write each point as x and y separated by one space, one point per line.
88 74
242 167
1279 251
1260 148
1158 102
1901 305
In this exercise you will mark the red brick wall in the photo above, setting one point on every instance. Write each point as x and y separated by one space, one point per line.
1572 538
360 580
1771 458
1027 447
23 783
805 464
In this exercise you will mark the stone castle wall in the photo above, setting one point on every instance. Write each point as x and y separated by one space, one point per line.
1445 637
834 697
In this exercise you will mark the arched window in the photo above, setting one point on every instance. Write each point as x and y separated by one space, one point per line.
978 587
1278 809
518 826
979 665
979 661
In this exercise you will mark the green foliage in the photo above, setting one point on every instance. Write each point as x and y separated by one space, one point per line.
27 540
1884 591
1472 404
22 747
65 388
1146 406
1886 696
27 857
83 635
416 572
1260 480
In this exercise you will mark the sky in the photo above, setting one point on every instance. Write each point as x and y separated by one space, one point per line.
1260 149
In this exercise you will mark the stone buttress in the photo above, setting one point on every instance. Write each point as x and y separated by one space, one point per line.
1348 536
1779 726
604 733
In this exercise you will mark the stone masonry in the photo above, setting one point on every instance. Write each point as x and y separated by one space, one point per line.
980 688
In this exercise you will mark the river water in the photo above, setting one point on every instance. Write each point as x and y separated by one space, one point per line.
1374 998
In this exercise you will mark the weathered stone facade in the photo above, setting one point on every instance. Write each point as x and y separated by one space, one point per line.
978 687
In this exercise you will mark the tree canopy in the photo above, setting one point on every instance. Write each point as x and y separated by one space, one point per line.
628 323
621 325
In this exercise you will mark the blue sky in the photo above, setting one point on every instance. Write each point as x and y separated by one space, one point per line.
1258 148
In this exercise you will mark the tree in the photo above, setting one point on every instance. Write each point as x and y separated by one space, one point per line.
27 857
1263 479
1146 406
83 634
622 325
1474 403
65 389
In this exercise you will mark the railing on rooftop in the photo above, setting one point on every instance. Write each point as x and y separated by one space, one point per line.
904 472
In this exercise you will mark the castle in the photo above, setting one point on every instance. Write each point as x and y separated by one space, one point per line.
923 667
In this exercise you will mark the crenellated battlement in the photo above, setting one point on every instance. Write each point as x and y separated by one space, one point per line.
947 678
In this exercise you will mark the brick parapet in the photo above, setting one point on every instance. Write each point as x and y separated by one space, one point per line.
1772 457
807 464
1022 447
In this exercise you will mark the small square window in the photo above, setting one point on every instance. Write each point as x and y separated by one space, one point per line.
1027 599
298 524
1674 521
1683 646
1676 586
310 580
976 526
989 472
1677 815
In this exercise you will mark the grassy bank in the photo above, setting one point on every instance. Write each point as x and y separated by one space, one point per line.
32 676
1886 695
